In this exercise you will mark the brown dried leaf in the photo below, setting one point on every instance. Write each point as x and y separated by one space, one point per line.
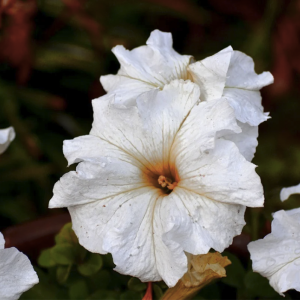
202 269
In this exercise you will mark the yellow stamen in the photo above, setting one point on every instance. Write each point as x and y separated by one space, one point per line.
166 182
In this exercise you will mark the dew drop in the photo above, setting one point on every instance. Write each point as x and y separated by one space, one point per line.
297 251
103 165
270 262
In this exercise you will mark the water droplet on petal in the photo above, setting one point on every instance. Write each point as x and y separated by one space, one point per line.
297 251
103 165
270 262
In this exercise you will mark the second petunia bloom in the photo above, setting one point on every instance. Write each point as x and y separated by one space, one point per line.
228 73
155 180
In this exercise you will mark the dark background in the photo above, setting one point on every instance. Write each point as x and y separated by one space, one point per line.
53 52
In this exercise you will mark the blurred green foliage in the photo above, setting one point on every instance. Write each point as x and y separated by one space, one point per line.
52 53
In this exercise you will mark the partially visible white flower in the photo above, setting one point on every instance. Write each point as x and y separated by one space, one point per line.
6 137
287 192
229 74
277 256
153 182
16 273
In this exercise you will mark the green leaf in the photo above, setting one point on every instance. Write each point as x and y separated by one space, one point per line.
45 259
108 261
63 254
78 290
258 286
210 291
101 280
199 297
91 266
157 291
102 294
62 273
118 280
131 295
66 235
162 285
136 285
43 291
235 272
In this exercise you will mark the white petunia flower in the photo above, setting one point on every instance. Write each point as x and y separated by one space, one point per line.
153 182
228 74
277 256
287 192
16 273
6 137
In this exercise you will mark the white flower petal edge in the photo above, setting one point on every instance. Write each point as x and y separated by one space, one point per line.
230 74
277 256
114 198
285 193
242 89
146 67
210 74
246 140
16 273
6 137
2 241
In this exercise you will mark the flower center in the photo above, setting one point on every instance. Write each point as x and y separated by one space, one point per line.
166 183
161 176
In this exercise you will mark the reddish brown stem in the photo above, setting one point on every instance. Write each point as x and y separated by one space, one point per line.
148 295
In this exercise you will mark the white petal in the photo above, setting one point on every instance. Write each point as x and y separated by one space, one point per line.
286 223
198 132
129 226
222 174
247 105
89 147
241 73
96 179
159 39
198 223
147 131
157 63
16 274
125 89
246 140
6 137
287 192
2 241
210 167
277 256
210 74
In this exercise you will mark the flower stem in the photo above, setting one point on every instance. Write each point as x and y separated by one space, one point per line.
148 295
